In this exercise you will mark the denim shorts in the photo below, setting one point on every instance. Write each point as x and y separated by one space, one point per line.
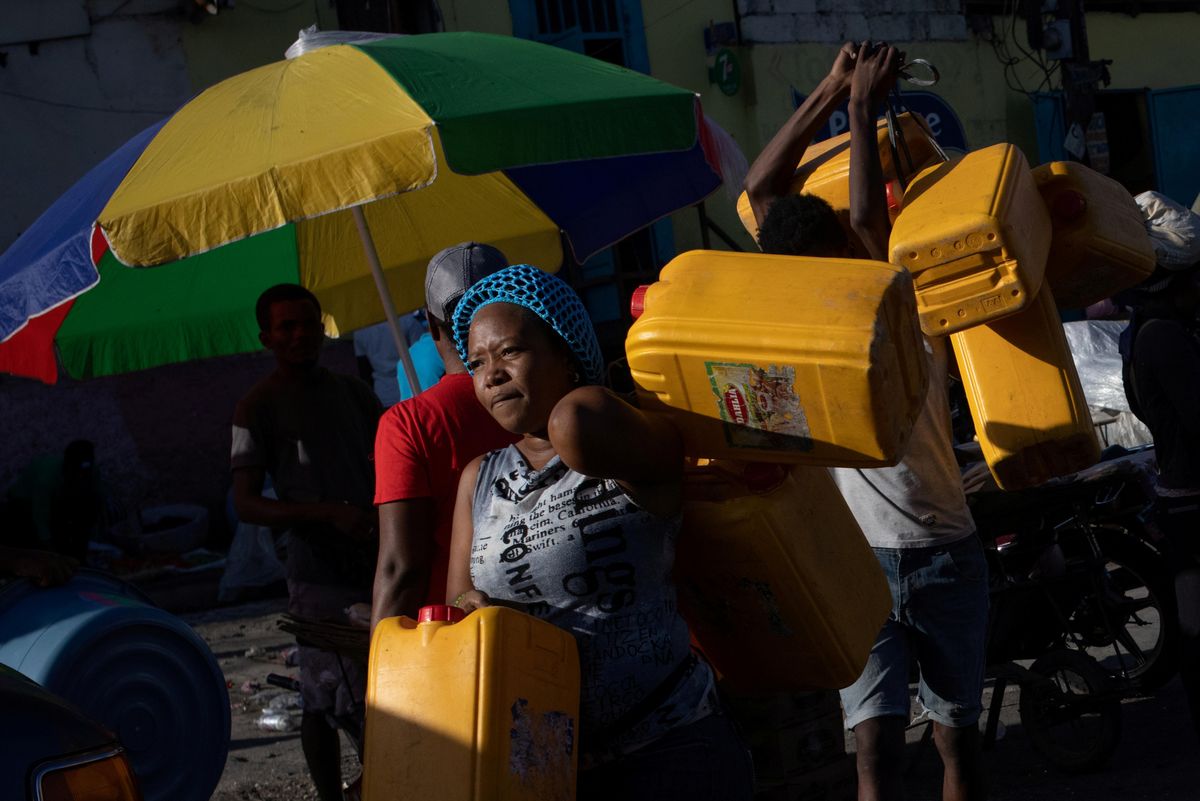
940 617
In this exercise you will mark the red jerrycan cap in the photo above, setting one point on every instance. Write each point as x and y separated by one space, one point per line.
1068 205
637 301
450 614
894 195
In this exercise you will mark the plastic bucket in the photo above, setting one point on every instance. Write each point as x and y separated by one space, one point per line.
101 644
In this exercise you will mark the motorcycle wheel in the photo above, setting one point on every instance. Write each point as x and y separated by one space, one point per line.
1072 717
1140 643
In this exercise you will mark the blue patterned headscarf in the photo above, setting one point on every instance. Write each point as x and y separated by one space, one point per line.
547 296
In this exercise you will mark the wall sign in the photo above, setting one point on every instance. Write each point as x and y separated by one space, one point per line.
943 121
726 71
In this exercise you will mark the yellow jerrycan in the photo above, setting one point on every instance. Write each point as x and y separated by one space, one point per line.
477 708
824 170
1100 245
974 233
775 578
781 358
1028 406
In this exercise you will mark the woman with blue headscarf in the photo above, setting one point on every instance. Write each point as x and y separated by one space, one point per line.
576 523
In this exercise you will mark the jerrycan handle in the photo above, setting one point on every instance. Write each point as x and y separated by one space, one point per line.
896 140
440 612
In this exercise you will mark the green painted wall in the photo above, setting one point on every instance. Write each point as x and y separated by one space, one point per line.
675 41
484 16
1152 50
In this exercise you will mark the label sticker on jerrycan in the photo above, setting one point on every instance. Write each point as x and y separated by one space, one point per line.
760 407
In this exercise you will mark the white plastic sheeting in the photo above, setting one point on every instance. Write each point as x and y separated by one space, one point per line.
1094 348
1174 230
311 39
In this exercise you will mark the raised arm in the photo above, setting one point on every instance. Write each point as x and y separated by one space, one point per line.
598 434
874 75
771 174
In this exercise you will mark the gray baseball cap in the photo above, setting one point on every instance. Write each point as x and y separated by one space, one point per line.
452 271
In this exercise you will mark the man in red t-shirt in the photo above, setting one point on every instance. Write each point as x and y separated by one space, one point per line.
423 445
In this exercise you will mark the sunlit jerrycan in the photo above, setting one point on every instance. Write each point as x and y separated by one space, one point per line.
824 170
781 358
775 578
975 233
477 708
1100 245
1030 413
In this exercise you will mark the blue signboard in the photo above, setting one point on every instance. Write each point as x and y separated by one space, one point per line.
945 124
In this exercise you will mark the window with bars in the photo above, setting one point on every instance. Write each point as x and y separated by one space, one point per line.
594 27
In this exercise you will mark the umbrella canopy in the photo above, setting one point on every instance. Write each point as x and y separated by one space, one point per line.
438 138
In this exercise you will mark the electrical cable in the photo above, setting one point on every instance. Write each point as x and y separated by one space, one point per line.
1000 47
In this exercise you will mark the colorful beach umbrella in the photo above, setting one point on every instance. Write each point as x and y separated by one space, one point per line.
429 140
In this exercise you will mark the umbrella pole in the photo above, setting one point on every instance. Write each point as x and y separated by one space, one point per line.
385 297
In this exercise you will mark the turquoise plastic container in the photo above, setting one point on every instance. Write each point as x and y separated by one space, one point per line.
102 645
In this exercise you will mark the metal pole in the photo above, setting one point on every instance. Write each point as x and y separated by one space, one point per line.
385 297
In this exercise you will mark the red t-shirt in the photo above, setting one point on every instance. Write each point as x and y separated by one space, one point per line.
422 447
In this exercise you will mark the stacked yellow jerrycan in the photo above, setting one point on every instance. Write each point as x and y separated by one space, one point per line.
481 708
775 579
1100 245
825 169
1030 414
778 358
974 233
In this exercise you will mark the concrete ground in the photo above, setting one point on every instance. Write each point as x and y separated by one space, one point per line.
1155 758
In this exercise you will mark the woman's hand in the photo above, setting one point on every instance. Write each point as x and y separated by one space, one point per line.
471 600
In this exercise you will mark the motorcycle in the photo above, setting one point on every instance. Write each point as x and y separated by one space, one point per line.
1081 585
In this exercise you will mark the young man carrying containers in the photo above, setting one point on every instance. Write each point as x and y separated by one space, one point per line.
914 514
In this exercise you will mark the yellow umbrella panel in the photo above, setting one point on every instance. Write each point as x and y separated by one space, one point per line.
407 230
295 139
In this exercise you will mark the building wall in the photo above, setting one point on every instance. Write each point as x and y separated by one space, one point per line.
675 40
1157 51
482 16
836 21
245 37
80 77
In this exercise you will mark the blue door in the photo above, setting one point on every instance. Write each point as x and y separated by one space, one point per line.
1175 121
1140 137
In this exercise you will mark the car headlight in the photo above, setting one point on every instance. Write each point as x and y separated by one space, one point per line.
96 776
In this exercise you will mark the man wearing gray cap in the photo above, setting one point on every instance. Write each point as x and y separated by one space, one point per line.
423 445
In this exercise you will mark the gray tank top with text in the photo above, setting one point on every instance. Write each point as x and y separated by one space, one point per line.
579 553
